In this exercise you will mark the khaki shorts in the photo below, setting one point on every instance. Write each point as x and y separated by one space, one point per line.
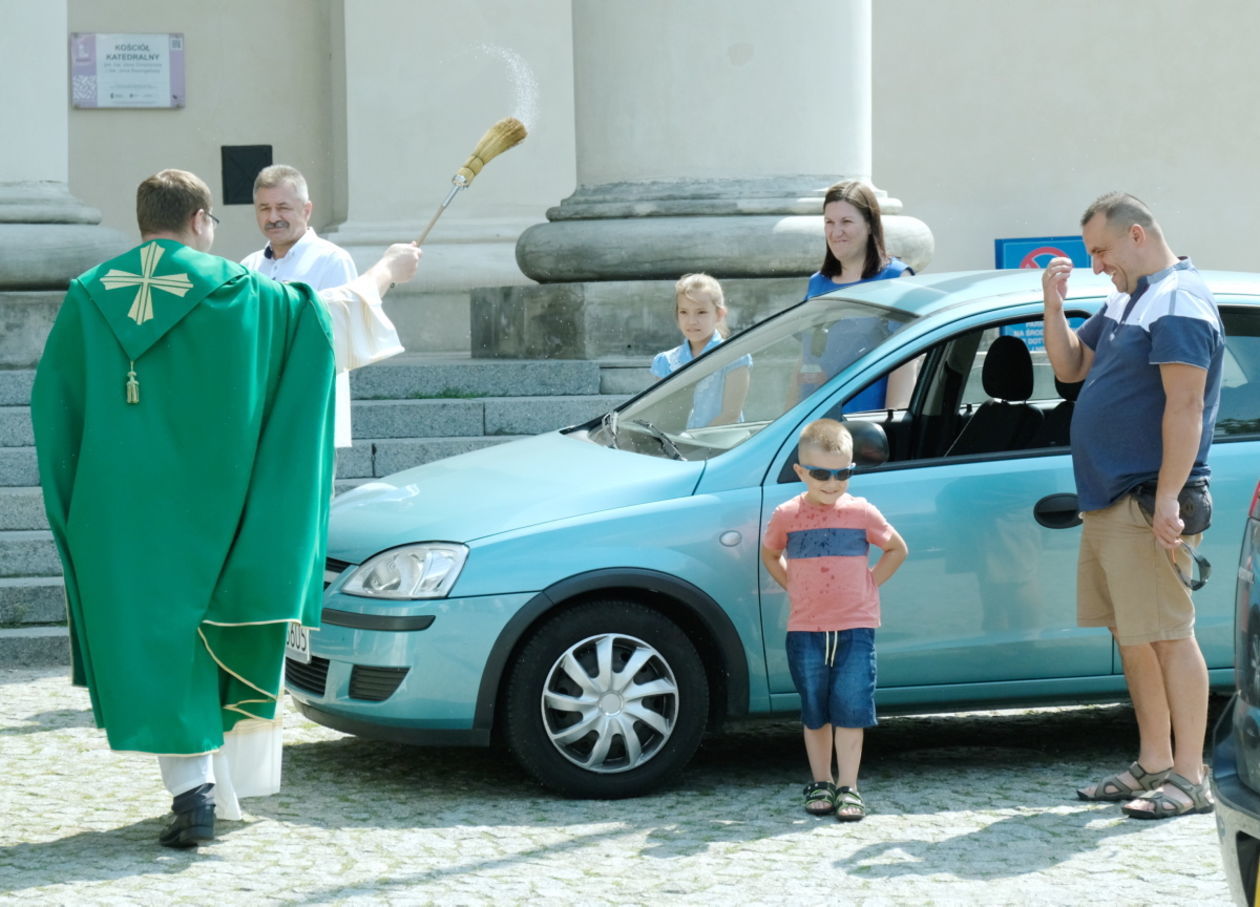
1126 581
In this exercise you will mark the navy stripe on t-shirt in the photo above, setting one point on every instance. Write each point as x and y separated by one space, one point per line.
827 543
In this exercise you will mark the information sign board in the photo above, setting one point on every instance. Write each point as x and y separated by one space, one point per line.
126 70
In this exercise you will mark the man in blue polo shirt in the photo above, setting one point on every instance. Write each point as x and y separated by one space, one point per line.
1151 362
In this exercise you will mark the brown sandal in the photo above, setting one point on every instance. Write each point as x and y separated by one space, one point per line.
1165 807
1112 790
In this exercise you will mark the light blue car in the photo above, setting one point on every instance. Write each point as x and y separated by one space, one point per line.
594 596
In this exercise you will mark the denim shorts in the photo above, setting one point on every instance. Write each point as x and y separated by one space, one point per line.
834 672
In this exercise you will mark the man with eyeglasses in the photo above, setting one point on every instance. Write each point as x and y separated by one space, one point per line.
183 418
1151 362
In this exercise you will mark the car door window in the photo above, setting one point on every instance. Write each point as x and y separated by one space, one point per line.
1239 413
952 413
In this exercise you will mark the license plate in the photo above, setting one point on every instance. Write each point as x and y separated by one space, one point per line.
298 645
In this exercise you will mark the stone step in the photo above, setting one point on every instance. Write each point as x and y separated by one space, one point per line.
22 507
15 426
15 386
409 432
482 416
369 459
432 376
32 600
625 376
35 646
28 552
18 466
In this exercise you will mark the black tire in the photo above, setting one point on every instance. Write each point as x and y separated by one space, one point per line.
634 743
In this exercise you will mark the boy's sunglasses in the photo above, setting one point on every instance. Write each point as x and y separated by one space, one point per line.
821 475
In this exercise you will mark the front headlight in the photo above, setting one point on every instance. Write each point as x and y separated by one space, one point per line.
427 570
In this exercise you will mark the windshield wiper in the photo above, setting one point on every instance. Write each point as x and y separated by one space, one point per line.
666 444
609 423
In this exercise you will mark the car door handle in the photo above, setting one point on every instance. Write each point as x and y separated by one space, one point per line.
1058 511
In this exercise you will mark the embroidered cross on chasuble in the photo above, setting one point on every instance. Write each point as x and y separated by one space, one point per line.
141 309
142 306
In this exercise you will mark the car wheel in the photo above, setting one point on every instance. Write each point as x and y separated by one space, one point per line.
606 700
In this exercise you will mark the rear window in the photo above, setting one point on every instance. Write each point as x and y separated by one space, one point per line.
1240 374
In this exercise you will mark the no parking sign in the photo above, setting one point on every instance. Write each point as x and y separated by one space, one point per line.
1036 251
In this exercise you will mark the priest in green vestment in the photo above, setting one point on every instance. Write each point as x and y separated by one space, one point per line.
183 415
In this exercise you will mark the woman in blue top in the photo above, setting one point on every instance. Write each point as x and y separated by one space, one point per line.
855 254
700 308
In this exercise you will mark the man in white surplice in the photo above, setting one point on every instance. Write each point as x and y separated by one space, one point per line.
295 252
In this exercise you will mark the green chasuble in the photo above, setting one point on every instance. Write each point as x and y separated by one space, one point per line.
183 414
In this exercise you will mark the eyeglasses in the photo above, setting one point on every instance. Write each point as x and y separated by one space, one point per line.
1199 564
1199 561
213 218
818 474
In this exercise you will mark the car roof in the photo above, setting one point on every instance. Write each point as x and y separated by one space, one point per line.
927 294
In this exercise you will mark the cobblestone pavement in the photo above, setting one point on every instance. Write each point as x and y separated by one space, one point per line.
968 809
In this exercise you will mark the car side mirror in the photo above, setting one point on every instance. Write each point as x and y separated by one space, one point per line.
870 448
870 444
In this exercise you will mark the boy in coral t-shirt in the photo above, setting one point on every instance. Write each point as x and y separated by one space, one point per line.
816 547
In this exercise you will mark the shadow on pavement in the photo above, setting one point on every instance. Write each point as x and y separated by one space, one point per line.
111 854
59 718
1041 838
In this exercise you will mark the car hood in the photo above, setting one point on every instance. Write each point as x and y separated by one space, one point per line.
497 489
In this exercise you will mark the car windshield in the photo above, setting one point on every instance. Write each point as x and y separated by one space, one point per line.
727 395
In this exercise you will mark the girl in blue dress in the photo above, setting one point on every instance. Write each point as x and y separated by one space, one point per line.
700 308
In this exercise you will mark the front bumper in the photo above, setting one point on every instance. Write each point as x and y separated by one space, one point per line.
1237 812
404 671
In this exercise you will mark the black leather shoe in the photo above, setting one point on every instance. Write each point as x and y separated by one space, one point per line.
193 823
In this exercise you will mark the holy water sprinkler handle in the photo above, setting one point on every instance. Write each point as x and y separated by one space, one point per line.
457 182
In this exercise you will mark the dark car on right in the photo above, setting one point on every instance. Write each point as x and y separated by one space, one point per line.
1236 747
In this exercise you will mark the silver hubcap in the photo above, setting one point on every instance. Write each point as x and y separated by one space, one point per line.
610 703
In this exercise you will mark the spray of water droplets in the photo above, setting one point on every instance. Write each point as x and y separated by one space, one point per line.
524 83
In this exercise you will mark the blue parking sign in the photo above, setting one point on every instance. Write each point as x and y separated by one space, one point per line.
1036 251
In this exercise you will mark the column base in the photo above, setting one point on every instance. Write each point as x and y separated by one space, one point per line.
48 256
730 228
606 319
724 246
49 236
28 317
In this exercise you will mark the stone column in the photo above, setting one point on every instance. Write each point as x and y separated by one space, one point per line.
707 134
47 236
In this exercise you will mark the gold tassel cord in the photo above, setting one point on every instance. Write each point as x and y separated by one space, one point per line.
133 385
507 133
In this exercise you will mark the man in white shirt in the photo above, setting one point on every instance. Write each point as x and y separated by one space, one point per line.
295 252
